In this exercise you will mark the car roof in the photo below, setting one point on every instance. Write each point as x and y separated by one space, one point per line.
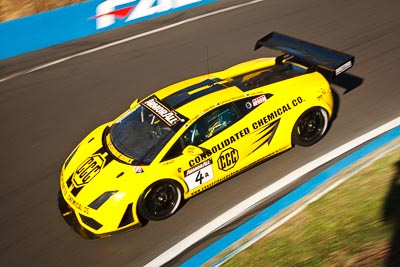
200 94
197 95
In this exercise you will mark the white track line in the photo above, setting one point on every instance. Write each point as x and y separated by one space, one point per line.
246 204
134 37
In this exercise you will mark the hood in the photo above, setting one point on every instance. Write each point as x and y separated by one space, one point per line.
93 180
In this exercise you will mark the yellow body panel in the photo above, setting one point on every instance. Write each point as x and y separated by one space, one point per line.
95 167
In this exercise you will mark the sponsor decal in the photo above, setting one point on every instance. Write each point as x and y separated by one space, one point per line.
277 113
63 188
72 201
199 174
268 123
215 149
88 170
228 158
108 11
167 115
257 101
323 93
138 169
236 172
267 134
248 105
343 68
119 13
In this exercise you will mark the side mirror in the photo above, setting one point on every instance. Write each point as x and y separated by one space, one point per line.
134 103
192 150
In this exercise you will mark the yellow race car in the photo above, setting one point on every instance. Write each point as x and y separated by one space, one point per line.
195 134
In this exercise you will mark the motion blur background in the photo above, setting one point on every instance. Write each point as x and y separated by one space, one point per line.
13 9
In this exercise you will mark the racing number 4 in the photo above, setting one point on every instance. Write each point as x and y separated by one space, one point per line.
198 177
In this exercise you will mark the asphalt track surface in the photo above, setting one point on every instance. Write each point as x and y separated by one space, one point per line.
46 113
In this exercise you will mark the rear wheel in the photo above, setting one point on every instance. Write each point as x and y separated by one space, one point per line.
310 127
160 200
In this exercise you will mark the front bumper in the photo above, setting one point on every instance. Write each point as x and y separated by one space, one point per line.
69 216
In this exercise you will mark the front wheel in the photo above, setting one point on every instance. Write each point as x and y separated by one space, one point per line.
310 127
160 200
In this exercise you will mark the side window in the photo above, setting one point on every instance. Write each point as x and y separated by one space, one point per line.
210 125
206 127
174 151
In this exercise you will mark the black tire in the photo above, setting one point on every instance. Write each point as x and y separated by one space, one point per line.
160 200
310 127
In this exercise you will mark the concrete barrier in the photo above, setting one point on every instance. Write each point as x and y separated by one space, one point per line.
76 21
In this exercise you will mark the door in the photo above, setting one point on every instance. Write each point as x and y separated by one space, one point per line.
212 148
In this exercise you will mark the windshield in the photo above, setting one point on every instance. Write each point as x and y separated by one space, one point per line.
140 135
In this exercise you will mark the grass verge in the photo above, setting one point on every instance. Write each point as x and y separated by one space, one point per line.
13 9
356 224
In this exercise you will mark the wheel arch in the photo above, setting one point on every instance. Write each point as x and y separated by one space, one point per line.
142 196
320 135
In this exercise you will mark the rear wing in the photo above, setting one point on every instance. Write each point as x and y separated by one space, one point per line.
329 62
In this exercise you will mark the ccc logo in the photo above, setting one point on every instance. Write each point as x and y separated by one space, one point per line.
88 170
228 159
